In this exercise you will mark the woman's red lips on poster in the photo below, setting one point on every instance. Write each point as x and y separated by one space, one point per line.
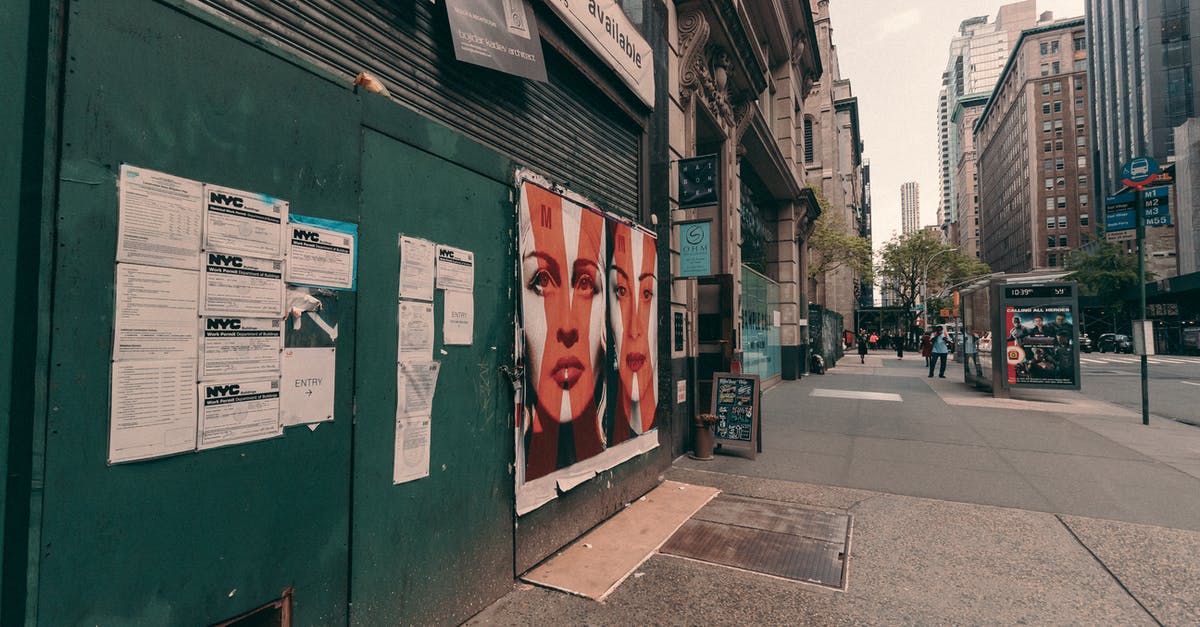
567 371
635 361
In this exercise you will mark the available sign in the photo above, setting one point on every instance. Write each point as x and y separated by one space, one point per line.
604 27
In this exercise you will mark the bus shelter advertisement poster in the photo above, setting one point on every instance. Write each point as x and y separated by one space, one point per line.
1041 345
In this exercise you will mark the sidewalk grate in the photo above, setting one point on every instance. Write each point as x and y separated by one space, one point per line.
769 537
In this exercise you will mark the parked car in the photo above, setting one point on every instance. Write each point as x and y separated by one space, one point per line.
1085 343
1115 342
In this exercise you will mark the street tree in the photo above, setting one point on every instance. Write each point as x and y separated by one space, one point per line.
833 244
903 262
1105 271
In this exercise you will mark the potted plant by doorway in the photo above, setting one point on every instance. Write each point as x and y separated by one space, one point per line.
702 436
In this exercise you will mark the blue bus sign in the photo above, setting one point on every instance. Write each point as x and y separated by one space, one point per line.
1139 172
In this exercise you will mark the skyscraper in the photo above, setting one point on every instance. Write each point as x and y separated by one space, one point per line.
910 207
1142 73
977 55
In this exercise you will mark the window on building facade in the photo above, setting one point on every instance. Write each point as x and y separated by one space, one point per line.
1079 123
1079 102
1057 87
1062 222
1045 108
1080 43
1045 47
1179 94
1058 145
1047 146
1083 219
1060 183
1081 161
1055 68
1045 89
1052 260
1083 200
1080 65
1049 183
1050 241
1061 202
1046 126
1058 128
1050 222
1079 85
1058 106
1045 69
1047 165
1080 140
1054 46
1058 163
1062 241
808 140
1050 203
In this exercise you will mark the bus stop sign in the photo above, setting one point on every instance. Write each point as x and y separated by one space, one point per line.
1140 172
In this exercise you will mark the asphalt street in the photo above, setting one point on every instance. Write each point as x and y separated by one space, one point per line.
1174 383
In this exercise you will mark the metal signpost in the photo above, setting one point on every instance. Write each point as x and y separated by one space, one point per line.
1138 173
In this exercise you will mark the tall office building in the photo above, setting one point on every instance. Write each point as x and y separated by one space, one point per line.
977 55
1032 142
910 207
1142 72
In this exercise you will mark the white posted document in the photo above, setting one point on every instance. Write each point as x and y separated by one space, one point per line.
411 449
155 315
417 267
230 346
455 269
320 257
458 323
159 221
416 384
153 410
244 222
306 393
233 411
237 285
416 332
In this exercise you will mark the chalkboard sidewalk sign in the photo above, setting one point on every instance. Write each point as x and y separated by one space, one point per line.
735 403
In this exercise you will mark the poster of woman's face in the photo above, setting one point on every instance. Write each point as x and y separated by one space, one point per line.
633 322
563 309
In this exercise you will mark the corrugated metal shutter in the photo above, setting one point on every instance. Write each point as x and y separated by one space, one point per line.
566 129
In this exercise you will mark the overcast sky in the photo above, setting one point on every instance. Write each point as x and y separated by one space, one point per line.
894 54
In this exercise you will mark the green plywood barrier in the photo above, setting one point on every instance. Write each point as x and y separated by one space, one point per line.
438 549
205 536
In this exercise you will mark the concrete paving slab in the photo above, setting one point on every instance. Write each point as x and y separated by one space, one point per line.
1160 567
913 561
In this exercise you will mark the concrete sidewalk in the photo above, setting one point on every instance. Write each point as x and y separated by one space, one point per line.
965 509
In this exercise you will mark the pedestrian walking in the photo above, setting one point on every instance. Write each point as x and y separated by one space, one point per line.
939 350
926 348
863 338
874 340
899 340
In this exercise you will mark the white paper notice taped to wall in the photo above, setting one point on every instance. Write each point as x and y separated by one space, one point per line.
415 387
411 449
237 285
415 343
153 410
160 219
244 222
233 411
458 322
236 345
307 385
455 269
155 315
417 267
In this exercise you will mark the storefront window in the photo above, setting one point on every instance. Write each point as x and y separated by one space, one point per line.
760 331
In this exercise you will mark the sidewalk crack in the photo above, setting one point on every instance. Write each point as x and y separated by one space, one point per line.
1108 570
